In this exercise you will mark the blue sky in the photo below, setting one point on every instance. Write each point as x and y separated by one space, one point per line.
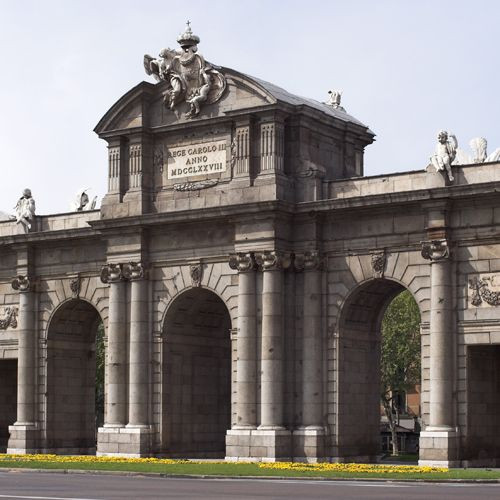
406 69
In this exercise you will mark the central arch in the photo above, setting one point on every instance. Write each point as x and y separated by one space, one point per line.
196 375
71 419
358 432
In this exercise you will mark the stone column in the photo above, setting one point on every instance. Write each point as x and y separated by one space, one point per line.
441 336
26 361
312 347
309 436
246 342
138 403
438 442
24 433
272 351
116 359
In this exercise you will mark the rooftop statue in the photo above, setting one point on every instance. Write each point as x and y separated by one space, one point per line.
479 146
189 77
82 201
446 150
25 210
334 99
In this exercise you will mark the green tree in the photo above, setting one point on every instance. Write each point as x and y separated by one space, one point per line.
400 355
99 376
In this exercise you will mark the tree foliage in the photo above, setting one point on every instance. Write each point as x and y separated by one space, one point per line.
99 376
400 354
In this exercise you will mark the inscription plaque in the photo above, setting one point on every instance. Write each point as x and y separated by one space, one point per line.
196 159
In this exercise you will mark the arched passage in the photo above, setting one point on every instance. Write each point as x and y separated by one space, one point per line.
71 378
196 375
359 368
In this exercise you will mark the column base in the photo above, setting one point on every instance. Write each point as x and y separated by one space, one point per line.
258 445
24 439
309 444
129 441
439 447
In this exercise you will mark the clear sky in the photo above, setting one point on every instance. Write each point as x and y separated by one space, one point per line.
406 69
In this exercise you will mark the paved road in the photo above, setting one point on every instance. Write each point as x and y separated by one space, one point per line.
55 486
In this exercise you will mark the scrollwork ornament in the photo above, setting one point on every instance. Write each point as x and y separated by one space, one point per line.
273 260
242 262
111 273
133 271
21 283
435 250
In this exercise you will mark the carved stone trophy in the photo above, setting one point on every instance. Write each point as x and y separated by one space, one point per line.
189 77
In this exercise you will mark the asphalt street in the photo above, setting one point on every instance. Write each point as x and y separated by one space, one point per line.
56 486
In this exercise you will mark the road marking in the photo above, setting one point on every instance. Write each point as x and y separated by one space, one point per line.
47 498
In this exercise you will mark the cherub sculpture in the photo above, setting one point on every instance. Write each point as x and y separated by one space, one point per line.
82 201
188 76
25 210
446 150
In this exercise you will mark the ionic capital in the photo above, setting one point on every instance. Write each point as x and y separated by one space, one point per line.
242 262
273 260
435 250
111 273
308 261
133 271
22 284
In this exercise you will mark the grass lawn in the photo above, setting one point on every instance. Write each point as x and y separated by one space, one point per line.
244 469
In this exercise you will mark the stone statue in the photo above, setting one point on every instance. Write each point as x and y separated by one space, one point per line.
25 210
82 201
479 146
189 77
334 99
446 151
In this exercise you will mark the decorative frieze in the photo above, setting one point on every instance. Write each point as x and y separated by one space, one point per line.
273 260
484 290
9 318
135 165
241 153
114 169
272 147
242 262
308 261
21 284
196 186
435 250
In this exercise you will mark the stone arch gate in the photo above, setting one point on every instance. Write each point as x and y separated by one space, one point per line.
264 276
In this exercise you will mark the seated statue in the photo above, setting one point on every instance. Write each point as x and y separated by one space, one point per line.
25 210
446 151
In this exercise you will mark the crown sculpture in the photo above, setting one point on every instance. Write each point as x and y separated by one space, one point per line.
188 76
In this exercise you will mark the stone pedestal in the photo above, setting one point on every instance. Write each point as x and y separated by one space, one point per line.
259 445
439 448
308 445
23 439
124 441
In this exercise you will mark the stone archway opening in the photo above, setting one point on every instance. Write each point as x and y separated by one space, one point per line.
359 375
72 418
8 399
196 376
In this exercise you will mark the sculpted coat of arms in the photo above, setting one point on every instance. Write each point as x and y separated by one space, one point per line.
189 77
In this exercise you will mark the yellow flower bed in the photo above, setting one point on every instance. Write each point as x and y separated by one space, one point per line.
352 467
297 466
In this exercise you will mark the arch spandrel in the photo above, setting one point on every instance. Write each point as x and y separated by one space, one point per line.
171 282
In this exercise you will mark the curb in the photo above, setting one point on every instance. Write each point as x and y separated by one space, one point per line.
163 475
